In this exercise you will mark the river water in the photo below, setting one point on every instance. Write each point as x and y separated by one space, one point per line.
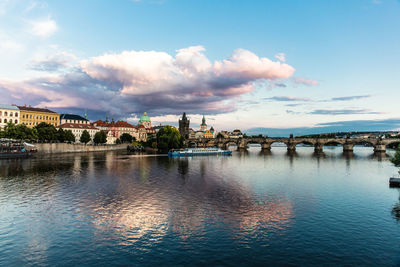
251 208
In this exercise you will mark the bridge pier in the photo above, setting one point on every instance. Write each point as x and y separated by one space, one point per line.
265 146
348 147
242 145
318 148
291 147
378 148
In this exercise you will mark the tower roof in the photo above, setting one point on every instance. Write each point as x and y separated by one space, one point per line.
144 117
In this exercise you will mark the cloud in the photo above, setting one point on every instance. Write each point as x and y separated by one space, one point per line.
131 82
342 112
348 98
288 99
305 81
43 28
281 57
53 63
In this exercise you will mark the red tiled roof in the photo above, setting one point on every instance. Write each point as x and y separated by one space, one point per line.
118 124
77 126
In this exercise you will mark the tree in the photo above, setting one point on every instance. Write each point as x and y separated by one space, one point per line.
69 136
126 138
85 137
46 132
19 132
61 135
396 159
100 138
169 138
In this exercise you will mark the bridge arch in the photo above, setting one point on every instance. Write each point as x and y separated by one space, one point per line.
394 144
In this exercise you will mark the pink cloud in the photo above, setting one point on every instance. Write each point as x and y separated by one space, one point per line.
305 81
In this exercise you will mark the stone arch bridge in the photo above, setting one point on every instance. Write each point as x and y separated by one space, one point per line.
291 143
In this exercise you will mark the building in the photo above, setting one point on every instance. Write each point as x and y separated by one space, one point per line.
78 128
71 118
184 126
208 134
8 114
145 121
203 126
116 129
31 116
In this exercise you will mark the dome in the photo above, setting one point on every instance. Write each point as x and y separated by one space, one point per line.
144 117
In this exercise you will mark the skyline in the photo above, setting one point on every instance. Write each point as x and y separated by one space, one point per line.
264 65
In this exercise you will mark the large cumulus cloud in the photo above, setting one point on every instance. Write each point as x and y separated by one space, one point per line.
136 81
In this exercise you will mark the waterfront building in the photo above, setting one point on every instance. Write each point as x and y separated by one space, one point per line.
78 128
145 120
8 114
31 116
236 134
184 126
203 126
208 134
146 123
72 118
198 134
192 134
118 128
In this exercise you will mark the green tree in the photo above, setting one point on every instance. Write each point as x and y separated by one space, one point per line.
69 136
46 132
396 159
126 138
61 135
85 137
100 138
169 138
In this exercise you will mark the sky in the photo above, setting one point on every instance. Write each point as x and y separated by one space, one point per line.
253 65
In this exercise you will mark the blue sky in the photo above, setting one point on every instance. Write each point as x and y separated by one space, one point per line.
245 64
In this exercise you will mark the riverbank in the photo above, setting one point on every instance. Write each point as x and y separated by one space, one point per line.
55 148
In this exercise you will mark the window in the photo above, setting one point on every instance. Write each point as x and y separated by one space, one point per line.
16 121
23 116
16 114
11 114
47 117
0 113
30 116
5 113
5 120
0 120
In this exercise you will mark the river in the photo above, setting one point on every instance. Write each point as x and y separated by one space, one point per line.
250 208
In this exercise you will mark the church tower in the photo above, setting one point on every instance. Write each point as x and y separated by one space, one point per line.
203 126
184 126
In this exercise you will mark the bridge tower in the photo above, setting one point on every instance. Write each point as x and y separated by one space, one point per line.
184 126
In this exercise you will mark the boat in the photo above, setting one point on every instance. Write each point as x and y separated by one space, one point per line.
10 148
188 152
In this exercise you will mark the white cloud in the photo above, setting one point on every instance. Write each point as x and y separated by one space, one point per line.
43 28
137 81
281 57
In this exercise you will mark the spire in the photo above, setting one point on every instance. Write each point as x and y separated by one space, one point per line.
203 120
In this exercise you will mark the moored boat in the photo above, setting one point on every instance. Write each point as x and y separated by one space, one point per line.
188 152
15 149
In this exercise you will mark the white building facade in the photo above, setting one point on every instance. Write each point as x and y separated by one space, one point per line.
8 114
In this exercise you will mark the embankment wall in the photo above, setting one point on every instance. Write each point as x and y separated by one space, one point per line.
50 148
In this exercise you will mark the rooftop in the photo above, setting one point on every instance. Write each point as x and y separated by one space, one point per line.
77 126
4 106
72 117
29 108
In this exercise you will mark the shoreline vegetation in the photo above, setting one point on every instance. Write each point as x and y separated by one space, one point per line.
48 139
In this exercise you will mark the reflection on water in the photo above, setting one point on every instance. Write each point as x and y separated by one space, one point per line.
255 207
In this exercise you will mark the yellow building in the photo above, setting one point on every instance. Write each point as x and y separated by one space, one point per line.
33 116
208 134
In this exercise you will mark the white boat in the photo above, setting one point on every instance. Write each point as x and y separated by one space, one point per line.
187 152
